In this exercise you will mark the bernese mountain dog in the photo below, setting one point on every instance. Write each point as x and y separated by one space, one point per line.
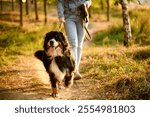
57 60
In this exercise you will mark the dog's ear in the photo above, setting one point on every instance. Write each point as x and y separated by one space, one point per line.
46 39
64 41
39 54
48 35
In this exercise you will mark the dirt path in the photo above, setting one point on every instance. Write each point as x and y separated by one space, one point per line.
29 80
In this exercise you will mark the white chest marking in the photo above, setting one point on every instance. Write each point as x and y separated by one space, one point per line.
58 73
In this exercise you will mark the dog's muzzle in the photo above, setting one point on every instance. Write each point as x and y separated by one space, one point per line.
52 46
51 43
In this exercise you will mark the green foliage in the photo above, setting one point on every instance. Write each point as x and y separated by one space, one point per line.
112 72
52 1
116 2
140 23
15 41
140 26
112 36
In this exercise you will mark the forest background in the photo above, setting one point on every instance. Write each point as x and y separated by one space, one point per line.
114 65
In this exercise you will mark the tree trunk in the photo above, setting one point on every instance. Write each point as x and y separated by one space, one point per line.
36 11
126 22
12 5
45 11
102 5
108 10
21 13
1 5
27 7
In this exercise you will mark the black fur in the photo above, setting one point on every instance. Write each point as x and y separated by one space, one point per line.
65 62
58 36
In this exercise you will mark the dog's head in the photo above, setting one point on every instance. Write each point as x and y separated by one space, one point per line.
55 43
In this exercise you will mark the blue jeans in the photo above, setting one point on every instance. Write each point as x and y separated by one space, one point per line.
75 33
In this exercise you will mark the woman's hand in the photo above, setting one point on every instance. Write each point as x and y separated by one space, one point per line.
61 20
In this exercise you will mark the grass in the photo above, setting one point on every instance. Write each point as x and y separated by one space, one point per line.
15 41
123 73
112 36
140 26
118 73
109 70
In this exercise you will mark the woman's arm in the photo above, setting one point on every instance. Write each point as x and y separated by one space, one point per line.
60 9
87 3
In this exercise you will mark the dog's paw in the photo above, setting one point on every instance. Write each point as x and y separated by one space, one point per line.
68 81
55 92
54 95
39 54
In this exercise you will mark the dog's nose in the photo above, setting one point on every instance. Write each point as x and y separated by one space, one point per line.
51 43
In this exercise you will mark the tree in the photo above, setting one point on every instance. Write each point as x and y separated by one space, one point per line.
27 7
36 11
1 5
126 22
102 5
12 5
21 13
108 10
45 11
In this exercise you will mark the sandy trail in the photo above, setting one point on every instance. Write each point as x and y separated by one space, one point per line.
29 79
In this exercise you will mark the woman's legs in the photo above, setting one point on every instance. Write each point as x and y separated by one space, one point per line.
76 34
81 36
71 31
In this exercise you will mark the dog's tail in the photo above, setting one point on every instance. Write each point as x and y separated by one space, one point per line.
39 54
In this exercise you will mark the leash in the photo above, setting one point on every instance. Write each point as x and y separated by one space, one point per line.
90 38
60 26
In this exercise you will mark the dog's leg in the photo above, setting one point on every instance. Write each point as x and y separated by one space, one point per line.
54 85
68 80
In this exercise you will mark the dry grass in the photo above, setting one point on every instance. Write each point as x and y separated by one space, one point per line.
112 72
116 73
108 73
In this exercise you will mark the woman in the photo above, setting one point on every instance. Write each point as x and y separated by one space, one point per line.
70 15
